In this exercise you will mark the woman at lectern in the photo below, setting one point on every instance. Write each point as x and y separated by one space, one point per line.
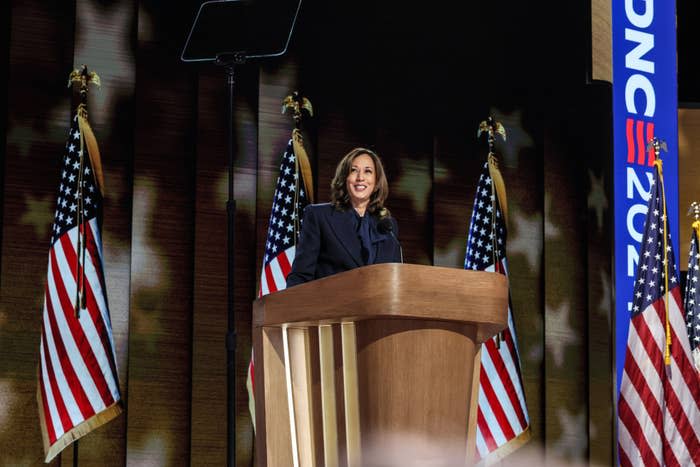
354 229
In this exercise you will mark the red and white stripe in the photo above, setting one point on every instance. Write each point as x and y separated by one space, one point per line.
274 273
502 414
659 415
77 369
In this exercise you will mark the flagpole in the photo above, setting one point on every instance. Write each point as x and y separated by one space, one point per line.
656 144
498 196
229 62
83 77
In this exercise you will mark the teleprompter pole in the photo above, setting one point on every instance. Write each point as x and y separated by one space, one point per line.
230 33
229 61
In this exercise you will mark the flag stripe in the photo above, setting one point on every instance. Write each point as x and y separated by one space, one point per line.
80 347
670 457
59 416
645 351
62 391
98 336
691 297
103 368
95 346
285 262
638 436
682 441
681 352
480 444
638 389
48 406
69 353
681 358
495 404
484 429
264 289
514 375
624 460
497 374
95 273
650 433
278 276
507 376
100 322
270 280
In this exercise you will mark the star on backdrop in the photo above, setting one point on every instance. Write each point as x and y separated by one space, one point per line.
597 200
573 442
414 183
551 231
605 303
244 186
149 268
535 354
525 237
559 332
452 255
8 399
22 136
441 173
38 214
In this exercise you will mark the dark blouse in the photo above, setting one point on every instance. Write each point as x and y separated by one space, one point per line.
369 244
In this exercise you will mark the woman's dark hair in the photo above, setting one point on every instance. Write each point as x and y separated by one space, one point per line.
339 192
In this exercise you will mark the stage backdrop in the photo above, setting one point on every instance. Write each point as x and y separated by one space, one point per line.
413 84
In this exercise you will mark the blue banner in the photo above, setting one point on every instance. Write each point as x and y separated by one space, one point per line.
645 105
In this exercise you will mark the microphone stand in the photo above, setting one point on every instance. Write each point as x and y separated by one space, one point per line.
385 227
398 243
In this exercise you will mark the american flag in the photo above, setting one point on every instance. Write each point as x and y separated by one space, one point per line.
658 413
285 222
503 423
78 387
283 229
692 296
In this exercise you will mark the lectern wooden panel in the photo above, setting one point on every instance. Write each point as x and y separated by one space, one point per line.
383 352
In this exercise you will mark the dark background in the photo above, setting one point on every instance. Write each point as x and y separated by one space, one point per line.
412 81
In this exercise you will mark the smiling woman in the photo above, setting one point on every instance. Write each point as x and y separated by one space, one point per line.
354 229
360 182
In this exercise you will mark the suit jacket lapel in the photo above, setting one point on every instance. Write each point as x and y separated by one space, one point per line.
342 226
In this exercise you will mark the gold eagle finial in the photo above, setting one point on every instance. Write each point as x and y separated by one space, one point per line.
492 127
695 210
657 144
296 103
83 77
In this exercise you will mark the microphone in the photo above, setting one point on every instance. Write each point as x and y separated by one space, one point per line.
385 226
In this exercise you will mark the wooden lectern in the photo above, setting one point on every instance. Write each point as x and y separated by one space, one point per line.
381 353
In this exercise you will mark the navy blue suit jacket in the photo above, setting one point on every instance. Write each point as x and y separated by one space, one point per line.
329 244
